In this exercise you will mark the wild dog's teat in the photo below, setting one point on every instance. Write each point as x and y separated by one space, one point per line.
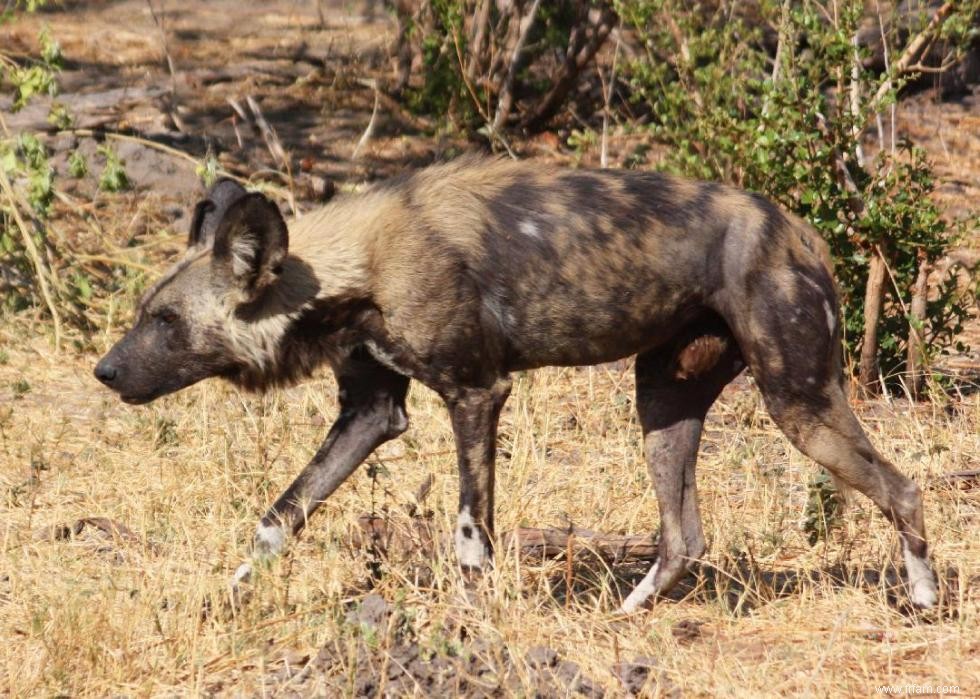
186 321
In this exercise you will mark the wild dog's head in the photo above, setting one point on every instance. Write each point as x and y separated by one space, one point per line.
217 310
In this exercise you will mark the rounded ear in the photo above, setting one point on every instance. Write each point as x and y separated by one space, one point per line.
209 211
251 243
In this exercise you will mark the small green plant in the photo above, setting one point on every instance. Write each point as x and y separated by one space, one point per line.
34 268
60 117
24 207
113 177
208 170
21 388
791 128
581 142
36 77
824 509
77 164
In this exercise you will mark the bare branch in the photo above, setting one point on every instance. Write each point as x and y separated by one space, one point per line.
582 47
915 47
506 99
478 41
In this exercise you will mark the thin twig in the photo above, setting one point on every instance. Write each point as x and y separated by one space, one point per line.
904 63
492 133
607 95
855 94
888 70
369 131
39 267
166 46
268 134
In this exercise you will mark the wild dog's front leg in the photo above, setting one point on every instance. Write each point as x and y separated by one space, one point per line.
372 411
474 413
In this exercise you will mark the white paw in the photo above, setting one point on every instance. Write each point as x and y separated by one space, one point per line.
922 582
470 549
642 592
242 575
924 594
269 541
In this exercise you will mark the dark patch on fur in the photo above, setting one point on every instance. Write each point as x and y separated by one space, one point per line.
326 331
651 196
775 221
805 346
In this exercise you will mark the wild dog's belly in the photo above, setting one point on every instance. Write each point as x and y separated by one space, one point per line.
571 324
590 287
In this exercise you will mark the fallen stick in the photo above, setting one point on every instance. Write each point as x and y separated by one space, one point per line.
966 480
380 534
553 543
268 134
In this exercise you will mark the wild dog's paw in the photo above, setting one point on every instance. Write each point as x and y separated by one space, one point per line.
242 575
472 550
922 582
642 594
924 594
269 542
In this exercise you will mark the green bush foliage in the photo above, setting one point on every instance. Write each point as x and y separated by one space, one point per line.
790 127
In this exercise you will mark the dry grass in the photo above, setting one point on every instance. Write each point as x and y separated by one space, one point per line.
190 474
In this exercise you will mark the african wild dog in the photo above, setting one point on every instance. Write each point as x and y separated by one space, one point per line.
462 273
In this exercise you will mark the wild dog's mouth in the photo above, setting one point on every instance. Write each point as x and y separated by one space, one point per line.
142 398
136 400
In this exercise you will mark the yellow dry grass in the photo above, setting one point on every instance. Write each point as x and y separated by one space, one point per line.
189 474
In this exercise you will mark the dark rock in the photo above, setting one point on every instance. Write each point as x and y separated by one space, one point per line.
570 676
635 675
541 657
372 612
687 630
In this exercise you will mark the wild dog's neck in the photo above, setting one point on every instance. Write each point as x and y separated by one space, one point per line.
337 241
313 313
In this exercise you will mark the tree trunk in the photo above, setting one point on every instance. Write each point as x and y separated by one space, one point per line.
917 340
873 297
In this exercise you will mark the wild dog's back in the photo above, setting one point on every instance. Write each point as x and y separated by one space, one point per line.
565 266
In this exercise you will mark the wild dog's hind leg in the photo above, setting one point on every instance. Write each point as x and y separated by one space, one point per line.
831 435
475 413
789 334
372 411
675 387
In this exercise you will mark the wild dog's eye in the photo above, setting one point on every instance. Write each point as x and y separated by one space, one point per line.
166 316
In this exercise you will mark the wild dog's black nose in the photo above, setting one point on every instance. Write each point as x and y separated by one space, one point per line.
105 372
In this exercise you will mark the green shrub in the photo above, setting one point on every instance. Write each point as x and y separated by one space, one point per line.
729 112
